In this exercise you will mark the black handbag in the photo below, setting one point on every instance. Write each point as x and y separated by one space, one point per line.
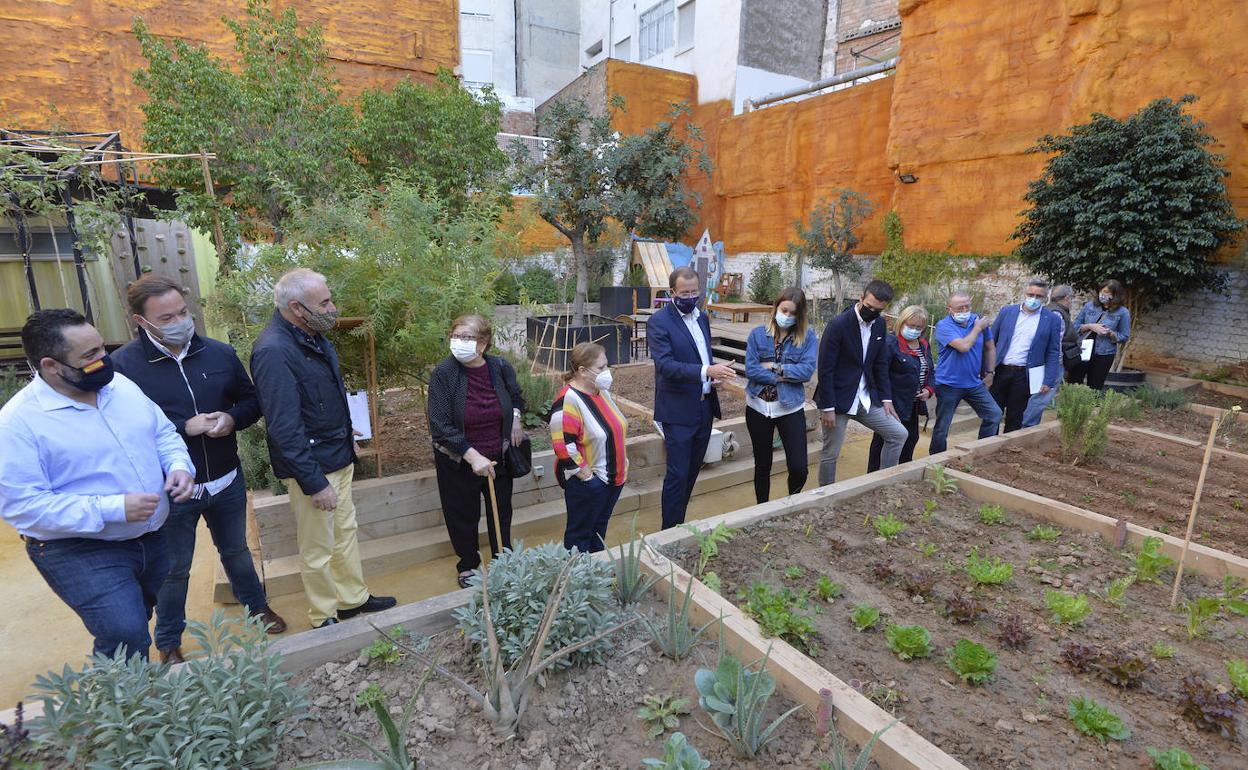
519 458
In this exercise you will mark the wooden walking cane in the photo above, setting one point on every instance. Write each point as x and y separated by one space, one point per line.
1191 517
497 545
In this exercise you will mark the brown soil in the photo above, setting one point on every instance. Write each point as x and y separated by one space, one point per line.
636 383
1181 422
1018 719
1218 400
583 718
1145 480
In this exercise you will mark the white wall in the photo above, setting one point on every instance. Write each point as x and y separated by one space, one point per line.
490 26
753 83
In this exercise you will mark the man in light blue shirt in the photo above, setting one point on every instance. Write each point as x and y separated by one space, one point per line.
87 466
964 367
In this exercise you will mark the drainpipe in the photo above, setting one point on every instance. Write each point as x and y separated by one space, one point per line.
819 85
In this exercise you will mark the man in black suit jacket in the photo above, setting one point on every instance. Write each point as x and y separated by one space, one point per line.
853 380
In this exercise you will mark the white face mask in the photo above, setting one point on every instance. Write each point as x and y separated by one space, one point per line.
463 350
177 333
604 380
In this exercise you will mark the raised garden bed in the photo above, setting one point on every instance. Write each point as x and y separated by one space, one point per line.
1019 717
1143 479
1191 424
636 383
583 718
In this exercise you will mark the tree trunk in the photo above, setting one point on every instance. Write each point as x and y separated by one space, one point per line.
797 281
581 260
840 292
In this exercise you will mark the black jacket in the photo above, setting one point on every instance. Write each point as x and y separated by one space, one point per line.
304 402
1070 335
903 376
448 397
209 379
841 363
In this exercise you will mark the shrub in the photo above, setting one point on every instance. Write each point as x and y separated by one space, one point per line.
539 285
539 391
1085 415
507 289
229 709
766 281
1154 397
1091 718
520 581
974 663
908 641
10 383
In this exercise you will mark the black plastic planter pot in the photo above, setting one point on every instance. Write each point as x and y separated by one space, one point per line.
1125 381
616 301
551 338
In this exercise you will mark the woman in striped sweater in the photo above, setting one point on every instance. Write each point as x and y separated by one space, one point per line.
587 432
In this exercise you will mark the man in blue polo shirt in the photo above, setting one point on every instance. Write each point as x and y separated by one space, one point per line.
964 368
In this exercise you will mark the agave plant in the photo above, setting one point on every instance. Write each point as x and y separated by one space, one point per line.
630 581
736 698
676 637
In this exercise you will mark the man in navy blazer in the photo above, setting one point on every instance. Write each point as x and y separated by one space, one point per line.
853 380
1028 337
685 401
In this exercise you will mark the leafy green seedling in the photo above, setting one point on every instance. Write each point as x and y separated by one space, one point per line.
1116 591
1201 613
864 616
1237 671
1150 561
1091 718
989 571
1070 609
712 581
827 590
795 573
1173 759
370 695
888 527
974 663
710 541
678 754
385 650
662 713
941 482
908 641
781 612
1044 533
1163 651
927 549
929 507
991 514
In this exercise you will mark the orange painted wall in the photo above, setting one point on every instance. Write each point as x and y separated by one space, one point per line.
649 93
80 55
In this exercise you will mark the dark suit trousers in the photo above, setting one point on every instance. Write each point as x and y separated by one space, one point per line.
686 448
1011 389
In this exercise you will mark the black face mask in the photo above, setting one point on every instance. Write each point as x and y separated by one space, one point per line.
868 314
91 377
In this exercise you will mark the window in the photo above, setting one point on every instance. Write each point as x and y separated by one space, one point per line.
654 30
594 49
478 67
624 48
684 24
476 7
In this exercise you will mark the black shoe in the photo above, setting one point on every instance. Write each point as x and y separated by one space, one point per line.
327 622
374 604
463 579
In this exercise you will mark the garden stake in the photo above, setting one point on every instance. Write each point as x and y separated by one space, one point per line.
497 542
1191 517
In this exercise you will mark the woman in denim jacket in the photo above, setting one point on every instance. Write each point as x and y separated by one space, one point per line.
1107 321
780 358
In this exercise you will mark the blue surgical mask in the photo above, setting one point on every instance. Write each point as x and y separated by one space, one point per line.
785 321
911 333
961 318
1032 303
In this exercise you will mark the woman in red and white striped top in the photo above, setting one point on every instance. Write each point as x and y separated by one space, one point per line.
587 433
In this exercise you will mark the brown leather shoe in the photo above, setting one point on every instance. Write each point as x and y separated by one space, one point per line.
171 656
271 619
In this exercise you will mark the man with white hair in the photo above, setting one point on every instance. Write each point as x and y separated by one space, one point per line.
308 425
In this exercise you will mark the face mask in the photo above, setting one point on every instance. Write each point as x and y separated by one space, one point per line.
1105 298
961 318
604 380
868 314
177 333
785 321
463 350
91 377
686 305
910 333
1031 303
319 322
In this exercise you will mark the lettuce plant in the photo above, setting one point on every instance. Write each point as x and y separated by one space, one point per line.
864 616
1070 609
1209 707
1091 718
908 642
1237 671
972 662
1173 759
1150 561
1044 533
888 526
991 514
989 570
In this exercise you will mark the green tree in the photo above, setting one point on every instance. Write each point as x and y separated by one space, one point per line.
830 239
445 138
276 125
589 175
398 256
1141 200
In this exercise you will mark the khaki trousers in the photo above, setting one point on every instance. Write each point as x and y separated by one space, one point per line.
329 551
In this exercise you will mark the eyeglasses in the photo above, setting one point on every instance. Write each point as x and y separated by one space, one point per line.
464 337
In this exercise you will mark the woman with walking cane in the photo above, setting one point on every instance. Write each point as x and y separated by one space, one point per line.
474 408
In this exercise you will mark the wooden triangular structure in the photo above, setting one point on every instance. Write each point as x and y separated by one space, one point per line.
652 256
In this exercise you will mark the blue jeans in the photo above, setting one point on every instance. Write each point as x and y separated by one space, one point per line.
1036 406
226 516
110 584
947 399
590 504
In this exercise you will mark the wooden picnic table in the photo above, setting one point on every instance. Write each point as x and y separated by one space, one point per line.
733 309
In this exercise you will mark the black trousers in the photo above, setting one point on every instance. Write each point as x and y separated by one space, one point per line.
1011 390
792 429
907 449
461 492
1095 370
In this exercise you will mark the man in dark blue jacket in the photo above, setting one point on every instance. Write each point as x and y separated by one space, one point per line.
685 401
1029 347
853 380
202 388
311 445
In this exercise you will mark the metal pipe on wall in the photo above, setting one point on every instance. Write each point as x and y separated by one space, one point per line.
819 85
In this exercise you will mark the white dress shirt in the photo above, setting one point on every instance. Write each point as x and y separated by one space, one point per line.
863 398
1025 327
699 342
66 467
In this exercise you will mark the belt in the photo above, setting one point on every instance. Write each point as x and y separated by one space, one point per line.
1010 366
